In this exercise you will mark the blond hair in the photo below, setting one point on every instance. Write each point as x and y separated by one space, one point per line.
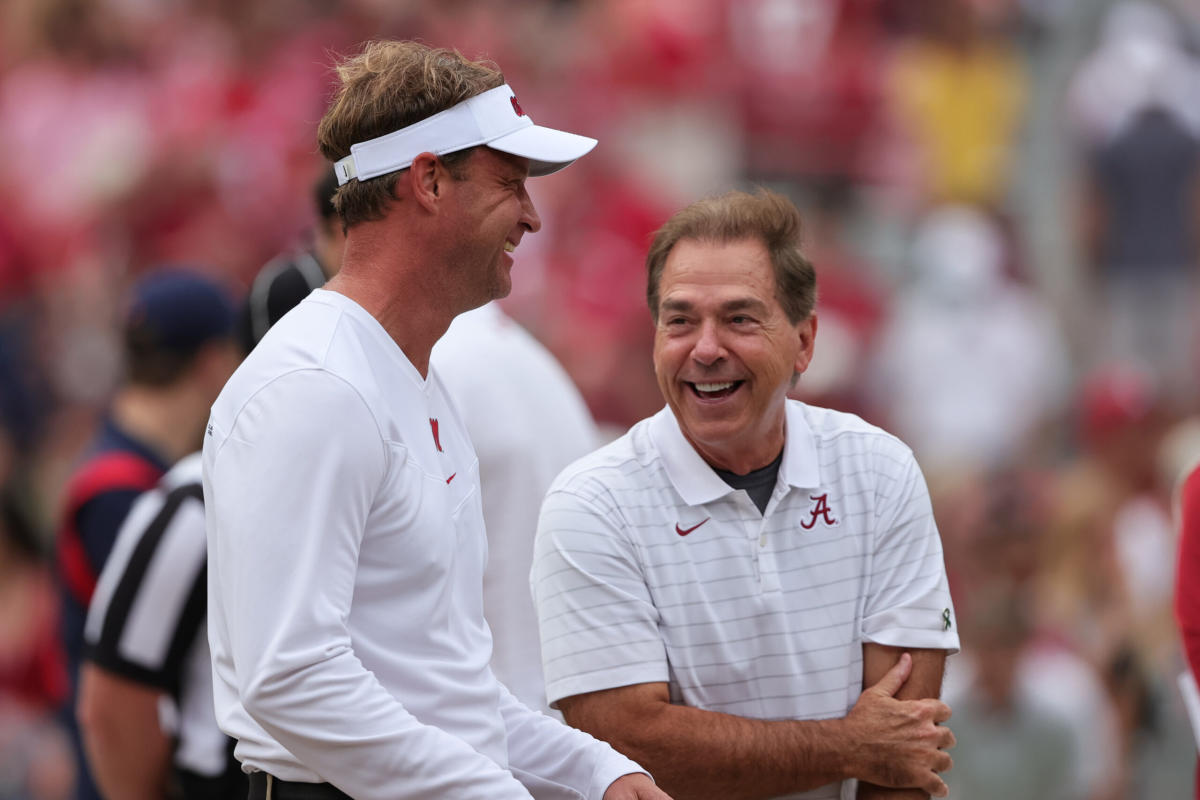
388 86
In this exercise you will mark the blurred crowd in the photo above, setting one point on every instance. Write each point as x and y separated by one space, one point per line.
1002 198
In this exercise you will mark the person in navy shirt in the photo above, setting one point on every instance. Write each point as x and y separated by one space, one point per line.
179 351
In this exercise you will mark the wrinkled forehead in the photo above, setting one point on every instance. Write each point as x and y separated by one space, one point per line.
741 263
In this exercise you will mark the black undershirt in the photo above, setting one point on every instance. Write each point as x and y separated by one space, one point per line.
758 483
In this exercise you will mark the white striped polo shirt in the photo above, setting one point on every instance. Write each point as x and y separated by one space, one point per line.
650 568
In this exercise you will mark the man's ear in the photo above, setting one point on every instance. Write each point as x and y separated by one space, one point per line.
426 178
806 331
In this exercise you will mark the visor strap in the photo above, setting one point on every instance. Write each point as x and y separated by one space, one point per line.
345 170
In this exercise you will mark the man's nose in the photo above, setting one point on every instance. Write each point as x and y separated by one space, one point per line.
529 215
708 348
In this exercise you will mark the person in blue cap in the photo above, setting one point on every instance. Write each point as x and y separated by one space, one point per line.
178 352
145 640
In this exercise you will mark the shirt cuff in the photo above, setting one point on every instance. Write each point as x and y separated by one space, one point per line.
611 767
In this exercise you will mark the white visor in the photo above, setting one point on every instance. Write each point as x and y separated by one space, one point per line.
493 118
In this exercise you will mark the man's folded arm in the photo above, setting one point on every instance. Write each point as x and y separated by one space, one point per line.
924 682
695 753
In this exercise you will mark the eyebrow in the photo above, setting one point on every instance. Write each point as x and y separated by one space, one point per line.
728 307
516 166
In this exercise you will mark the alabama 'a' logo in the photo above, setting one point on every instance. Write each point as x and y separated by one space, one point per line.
517 107
820 511
436 441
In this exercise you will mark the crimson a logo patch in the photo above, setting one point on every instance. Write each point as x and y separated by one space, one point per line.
517 106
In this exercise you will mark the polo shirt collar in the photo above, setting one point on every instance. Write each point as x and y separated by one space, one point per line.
697 482
800 468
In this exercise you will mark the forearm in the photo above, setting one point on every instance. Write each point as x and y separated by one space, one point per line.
924 681
694 753
122 771
127 751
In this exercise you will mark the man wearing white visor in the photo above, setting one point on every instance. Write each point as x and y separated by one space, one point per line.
345 534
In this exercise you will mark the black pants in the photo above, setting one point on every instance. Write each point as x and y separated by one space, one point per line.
232 785
260 782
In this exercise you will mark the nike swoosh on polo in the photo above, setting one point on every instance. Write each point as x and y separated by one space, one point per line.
450 478
686 531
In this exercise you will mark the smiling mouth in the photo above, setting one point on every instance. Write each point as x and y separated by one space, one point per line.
509 247
714 390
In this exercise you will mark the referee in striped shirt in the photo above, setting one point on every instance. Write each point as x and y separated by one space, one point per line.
146 698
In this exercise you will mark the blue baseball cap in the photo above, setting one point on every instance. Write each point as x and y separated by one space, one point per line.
178 310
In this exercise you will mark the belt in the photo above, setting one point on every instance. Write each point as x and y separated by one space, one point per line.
264 786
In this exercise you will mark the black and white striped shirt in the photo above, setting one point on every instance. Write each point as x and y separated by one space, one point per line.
146 623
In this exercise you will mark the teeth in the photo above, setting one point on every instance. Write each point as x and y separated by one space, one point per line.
713 387
509 247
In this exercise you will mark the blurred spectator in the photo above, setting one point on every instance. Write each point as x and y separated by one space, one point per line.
1139 61
22 390
998 524
31 668
179 353
1122 425
1134 104
957 91
36 762
35 758
1106 574
811 85
163 132
527 422
970 362
1010 742
850 304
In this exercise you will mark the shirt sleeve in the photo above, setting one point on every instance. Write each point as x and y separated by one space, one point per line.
598 623
554 760
290 490
99 519
149 603
908 596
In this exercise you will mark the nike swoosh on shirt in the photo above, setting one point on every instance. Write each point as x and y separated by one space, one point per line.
450 478
686 531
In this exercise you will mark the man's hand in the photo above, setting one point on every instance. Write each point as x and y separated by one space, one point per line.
898 743
634 786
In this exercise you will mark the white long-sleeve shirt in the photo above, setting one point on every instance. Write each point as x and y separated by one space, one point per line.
346 553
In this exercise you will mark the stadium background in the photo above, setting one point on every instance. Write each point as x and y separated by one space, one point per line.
970 172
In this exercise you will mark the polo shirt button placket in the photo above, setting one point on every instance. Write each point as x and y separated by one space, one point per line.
752 534
768 573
